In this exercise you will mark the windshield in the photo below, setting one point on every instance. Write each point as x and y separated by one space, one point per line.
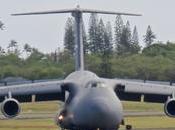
95 84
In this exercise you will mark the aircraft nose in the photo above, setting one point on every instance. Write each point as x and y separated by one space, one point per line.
104 111
100 113
99 108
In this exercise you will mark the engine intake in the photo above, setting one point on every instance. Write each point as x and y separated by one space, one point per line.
10 108
170 108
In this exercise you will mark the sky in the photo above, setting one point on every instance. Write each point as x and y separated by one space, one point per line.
46 32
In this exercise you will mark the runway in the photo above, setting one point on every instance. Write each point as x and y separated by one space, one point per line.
46 115
141 114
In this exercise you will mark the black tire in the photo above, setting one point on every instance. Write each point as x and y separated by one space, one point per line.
128 127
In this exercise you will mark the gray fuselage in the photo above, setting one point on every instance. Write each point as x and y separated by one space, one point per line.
91 103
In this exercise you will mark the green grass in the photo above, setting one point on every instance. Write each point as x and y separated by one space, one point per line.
54 106
141 106
41 106
34 124
48 124
151 122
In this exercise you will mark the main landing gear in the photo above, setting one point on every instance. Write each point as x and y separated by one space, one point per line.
127 127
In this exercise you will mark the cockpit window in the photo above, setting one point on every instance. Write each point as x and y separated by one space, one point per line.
95 85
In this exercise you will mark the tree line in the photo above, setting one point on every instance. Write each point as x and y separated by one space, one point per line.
104 41
107 55
100 39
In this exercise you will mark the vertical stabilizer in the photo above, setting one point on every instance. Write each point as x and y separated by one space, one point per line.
79 55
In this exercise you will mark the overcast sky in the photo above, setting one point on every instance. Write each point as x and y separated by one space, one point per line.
46 32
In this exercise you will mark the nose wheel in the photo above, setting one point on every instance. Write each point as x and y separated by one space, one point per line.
128 127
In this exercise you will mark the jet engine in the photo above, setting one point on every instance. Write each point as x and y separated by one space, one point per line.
169 107
10 108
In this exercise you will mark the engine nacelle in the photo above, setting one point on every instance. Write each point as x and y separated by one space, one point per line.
169 108
10 108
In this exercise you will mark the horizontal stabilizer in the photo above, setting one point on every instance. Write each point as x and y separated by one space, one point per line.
47 12
108 12
77 10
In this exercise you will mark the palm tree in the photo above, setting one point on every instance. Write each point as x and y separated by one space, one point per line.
1 51
1 25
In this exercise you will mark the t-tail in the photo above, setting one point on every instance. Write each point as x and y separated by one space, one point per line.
77 14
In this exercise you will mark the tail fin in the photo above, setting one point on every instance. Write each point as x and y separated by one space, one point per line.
79 56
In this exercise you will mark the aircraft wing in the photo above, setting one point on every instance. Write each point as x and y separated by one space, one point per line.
137 91
44 91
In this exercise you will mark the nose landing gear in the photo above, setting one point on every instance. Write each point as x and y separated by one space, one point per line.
128 127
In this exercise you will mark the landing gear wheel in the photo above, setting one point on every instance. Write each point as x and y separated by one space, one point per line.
128 127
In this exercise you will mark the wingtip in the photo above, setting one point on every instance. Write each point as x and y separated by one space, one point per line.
137 15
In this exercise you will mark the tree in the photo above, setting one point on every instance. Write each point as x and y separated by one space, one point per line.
85 43
93 33
106 52
170 73
2 51
118 30
124 47
128 28
28 49
100 43
35 56
108 40
69 37
13 48
1 25
135 41
149 37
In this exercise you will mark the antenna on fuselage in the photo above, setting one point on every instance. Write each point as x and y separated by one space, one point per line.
77 14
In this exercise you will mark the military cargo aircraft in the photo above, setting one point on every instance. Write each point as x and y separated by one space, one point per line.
90 102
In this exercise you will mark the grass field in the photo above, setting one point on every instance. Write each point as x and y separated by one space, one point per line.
54 106
142 106
49 124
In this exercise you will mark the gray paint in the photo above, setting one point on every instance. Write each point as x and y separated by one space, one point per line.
92 107
35 88
79 64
